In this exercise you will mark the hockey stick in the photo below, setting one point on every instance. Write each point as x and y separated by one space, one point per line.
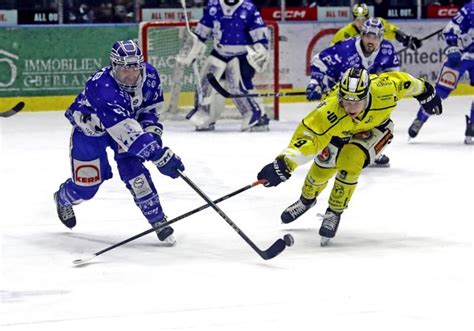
83 261
222 91
424 38
275 249
194 64
18 107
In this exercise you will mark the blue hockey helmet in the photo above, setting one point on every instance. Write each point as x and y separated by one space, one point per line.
126 55
373 26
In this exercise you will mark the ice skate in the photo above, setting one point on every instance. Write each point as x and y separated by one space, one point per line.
469 134
381 161
415 128
165 234
64 209
297 209
329 226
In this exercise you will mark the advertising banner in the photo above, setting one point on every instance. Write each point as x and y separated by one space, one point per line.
299 42
435 11
402 12
338 14
54 60
170 14
37 16
8 17
291 14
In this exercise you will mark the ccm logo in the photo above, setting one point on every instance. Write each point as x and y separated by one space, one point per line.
290 14
447 12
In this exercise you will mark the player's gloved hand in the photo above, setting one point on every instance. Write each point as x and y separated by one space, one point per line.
454 56
156 131
412 42
274 173
168 163
313 90
430 101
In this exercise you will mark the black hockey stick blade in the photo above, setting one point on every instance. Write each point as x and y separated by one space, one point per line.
18 107
274 250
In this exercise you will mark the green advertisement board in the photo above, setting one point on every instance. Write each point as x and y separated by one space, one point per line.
43 61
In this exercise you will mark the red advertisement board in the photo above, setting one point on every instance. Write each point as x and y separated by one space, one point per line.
435 11
291 14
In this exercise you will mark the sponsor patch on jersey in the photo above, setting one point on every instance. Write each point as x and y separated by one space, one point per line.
140 186
448 78
87 173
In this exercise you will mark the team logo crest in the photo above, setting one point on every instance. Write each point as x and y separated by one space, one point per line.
212 11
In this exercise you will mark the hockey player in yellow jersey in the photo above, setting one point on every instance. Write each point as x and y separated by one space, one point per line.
392 32
347 130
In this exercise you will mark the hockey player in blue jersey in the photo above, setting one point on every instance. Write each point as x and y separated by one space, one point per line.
369 51
459 37
119 108
240 50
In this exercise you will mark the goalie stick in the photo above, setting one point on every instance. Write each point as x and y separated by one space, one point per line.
18 107
86 260
276 248
226 94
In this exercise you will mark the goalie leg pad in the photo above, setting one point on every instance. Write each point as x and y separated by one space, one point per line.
204 115
373 142
237 84
138 181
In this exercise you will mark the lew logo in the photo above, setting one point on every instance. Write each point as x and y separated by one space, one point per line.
8 58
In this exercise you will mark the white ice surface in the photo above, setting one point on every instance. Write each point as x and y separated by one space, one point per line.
402 259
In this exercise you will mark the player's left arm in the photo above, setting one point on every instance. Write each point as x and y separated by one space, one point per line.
407 85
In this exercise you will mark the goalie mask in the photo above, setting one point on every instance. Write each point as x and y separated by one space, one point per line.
128 64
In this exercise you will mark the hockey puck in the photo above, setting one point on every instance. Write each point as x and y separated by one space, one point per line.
289 240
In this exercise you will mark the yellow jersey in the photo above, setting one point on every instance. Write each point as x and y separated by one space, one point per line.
329 119
350 30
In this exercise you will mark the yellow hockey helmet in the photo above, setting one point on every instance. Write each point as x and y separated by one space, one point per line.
360 11
354 85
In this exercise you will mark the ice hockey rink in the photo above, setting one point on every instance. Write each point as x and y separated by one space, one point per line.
400 260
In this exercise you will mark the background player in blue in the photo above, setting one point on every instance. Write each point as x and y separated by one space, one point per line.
369 51
118 109
459 37
240 49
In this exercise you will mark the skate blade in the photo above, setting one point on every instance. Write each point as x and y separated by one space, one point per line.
325 241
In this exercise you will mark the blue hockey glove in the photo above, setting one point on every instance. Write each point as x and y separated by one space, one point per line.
454 56
430 101
274 173
313 90
168 163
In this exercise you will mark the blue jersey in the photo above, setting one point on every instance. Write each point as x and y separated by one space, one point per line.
103 108
233 27
328 65
460 31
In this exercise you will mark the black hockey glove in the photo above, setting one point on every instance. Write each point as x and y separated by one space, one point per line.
408 41
430 101
274 173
